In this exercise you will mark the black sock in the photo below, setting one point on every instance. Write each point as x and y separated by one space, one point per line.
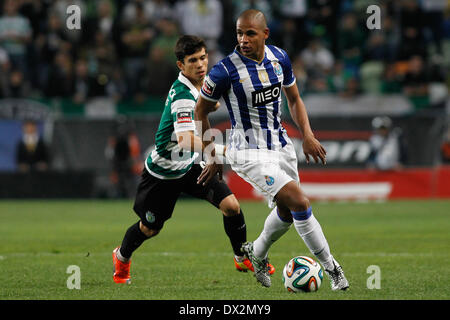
236 230
132 240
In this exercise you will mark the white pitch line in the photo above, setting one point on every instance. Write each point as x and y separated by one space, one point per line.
217 254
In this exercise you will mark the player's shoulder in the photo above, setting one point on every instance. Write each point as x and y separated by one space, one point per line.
180 90
279 53
219 69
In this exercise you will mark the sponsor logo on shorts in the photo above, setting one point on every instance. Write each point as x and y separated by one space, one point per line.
269 180
150 216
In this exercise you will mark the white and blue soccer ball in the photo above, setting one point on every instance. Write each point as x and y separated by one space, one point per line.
302 274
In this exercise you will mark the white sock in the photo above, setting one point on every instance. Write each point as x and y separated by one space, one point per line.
120 257
311 232
274 228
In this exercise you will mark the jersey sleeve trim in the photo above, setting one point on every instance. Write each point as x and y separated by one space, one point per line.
184 127
181 103
290 84
208 98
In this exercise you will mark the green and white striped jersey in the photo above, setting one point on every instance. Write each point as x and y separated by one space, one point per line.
168 160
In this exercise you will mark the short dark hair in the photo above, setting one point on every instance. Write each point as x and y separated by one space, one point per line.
187 45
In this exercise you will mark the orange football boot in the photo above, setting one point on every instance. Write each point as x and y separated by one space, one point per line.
246 265
121 269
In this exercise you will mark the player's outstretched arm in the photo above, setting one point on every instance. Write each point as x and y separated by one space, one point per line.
187 140
311 146
213 167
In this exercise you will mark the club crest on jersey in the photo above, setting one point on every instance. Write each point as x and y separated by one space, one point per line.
266 95
277 68
269 180
208 86
150 216
184 116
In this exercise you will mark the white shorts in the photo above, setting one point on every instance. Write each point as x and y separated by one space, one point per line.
267 171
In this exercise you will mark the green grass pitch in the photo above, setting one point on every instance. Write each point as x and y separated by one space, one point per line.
192 259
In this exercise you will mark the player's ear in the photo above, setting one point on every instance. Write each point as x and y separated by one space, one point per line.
180 65
266 33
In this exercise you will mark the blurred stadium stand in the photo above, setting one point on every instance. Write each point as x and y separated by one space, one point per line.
77 83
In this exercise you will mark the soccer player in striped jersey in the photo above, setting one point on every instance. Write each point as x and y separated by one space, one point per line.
250 81
171 168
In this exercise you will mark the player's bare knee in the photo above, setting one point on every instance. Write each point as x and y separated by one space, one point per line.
147 231
301 203
230 206
292 197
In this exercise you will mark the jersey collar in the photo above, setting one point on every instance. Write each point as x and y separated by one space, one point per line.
236 49
189 84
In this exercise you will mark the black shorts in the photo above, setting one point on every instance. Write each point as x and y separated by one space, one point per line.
156 198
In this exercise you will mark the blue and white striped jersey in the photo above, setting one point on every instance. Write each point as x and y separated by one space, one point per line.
252 94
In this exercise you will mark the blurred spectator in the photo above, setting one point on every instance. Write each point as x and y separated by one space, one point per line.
390 82
103 54
36 11
160 72
214 55
318 62
103 21
376 47
15 34
434 22
352 89
60 78
167 39
17 87
416 82
124 151
82 82
371 73
391 35
101 62
154 10
136 38
116 88
351 42
317 58
387 148
292 39
203 18
323 15
412 23
31 153
339 78
48 43
300 73
294 34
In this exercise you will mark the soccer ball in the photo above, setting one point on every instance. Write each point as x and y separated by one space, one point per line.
302 274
